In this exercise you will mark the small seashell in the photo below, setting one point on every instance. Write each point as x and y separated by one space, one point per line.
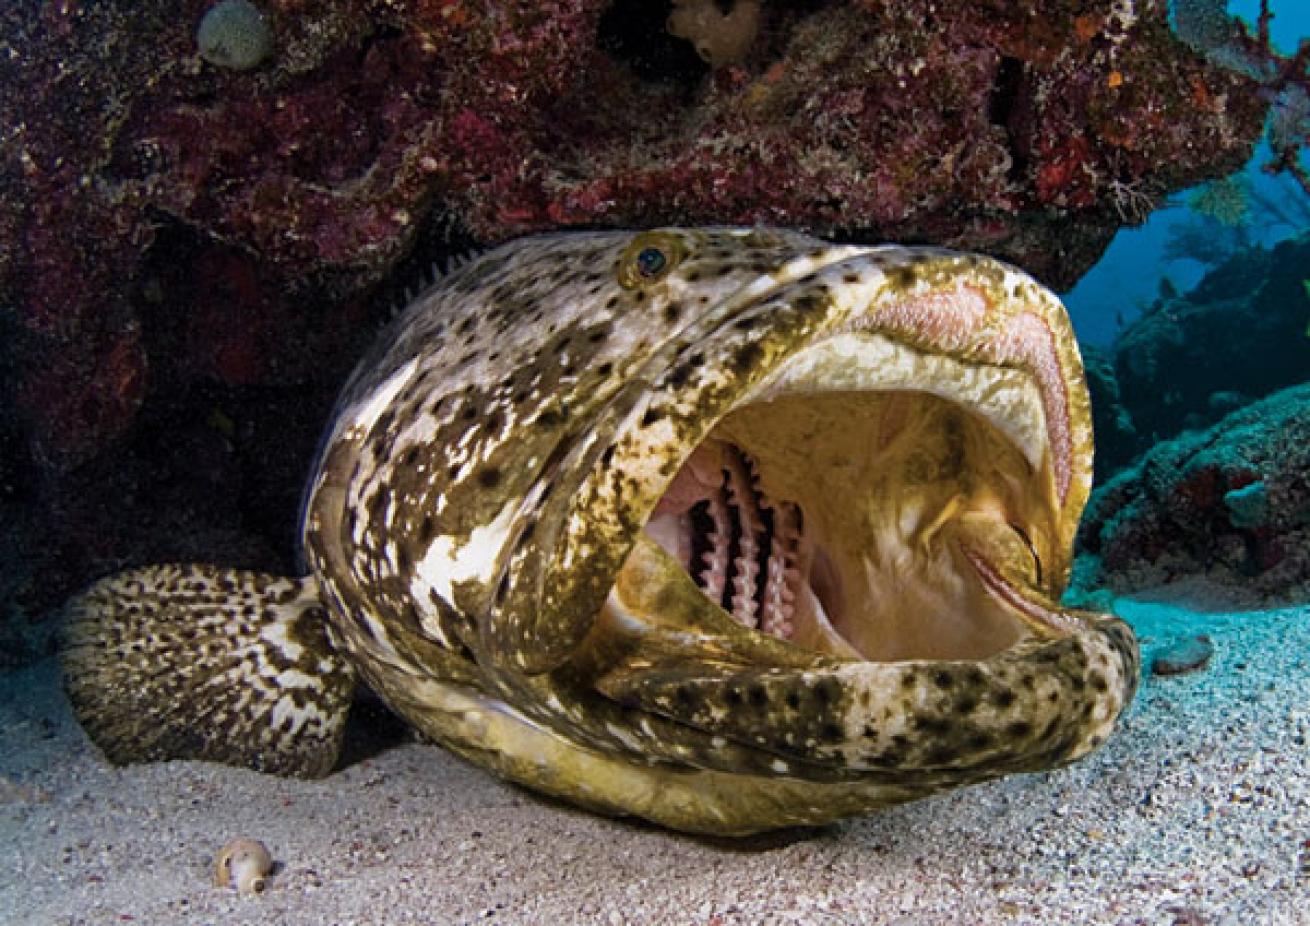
245 864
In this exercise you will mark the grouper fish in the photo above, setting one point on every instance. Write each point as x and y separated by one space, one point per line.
726 528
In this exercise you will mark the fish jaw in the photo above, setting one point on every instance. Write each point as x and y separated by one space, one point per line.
501 573
950 391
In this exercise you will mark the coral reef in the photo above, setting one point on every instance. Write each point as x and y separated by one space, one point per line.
1230 504
168 227
1227 41
1173 366
1117 440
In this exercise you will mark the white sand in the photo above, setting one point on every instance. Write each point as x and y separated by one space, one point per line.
1197 812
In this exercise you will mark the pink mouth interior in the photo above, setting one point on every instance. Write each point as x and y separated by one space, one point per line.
745 550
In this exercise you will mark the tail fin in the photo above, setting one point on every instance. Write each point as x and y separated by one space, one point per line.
198 662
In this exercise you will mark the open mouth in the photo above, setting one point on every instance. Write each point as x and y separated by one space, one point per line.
870 501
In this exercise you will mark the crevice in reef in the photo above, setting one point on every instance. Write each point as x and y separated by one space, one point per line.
633 32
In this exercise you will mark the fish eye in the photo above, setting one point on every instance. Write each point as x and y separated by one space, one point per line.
651 262
649 257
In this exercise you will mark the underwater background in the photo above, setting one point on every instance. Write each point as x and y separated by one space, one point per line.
208 210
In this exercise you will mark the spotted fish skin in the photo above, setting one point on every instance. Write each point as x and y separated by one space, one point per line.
479 524
494 461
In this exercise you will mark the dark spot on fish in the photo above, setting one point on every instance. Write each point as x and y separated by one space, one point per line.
904 277
1019 729
941 755
747 323
1004 698
733 697
935 726
605 369
378 502
598 335
827 691
672 311
1097 681
469 413
794 700
757 696
548 419
410 457
808 303
425 529
966 705
651 416
684 696
489 477
832 732
943 679
747 356
850 277
502 588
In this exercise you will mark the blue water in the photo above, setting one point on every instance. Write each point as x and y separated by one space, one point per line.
1128 278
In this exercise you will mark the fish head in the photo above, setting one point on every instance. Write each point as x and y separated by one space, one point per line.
805 501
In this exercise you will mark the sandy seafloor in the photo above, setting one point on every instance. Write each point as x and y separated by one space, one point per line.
1197 812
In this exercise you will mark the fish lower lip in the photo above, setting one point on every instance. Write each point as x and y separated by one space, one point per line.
1043 619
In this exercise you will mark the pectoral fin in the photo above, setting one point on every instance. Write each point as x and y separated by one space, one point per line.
198 662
